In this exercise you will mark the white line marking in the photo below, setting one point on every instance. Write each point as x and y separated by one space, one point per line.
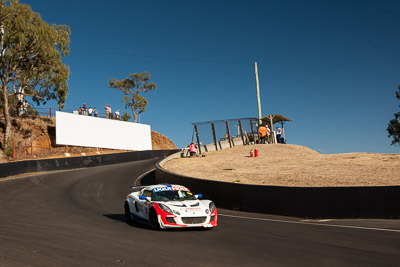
309 223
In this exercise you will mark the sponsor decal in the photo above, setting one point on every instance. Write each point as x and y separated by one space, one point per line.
192 208
170 188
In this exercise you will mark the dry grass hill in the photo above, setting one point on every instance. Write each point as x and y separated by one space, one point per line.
291 165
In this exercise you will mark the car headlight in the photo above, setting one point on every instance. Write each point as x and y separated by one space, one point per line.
212 207
167 209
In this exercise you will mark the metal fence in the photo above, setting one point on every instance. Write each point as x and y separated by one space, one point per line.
218 134
51 112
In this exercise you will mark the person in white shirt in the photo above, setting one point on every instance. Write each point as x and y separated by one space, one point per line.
279 135
109 112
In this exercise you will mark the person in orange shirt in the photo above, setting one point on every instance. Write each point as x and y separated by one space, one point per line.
262 130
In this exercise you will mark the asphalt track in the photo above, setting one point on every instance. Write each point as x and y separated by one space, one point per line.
75 218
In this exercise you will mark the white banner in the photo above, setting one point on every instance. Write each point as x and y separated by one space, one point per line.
88 131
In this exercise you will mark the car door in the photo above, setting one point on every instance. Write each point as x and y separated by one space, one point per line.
144 204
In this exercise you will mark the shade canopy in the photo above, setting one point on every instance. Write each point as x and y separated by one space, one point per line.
274 118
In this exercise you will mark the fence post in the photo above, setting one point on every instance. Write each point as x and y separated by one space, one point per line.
31 148
50 112
66 149
13 149
252 131
213 133
228 133
197 137
241 131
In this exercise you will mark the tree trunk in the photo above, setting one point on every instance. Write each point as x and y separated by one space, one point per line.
135 116
7 118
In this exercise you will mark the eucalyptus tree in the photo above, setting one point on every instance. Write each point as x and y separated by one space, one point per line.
393 128
31 52
131 87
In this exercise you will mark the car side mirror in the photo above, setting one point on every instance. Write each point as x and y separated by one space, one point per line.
199 196
142 198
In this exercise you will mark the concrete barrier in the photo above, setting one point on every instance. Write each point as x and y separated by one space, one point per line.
305 202
14 168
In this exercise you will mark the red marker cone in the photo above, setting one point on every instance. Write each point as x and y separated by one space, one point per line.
256 152
251 153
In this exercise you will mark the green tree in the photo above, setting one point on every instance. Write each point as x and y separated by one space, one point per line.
126 117
31 54
131 87
394 125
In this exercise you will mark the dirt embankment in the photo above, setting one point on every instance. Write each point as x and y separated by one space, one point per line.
35 138
291 165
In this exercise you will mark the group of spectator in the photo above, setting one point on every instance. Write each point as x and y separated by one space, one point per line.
84 110
88 111
265 134
110 115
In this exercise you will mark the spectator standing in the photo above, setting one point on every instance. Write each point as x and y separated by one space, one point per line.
107 111
279 137
117 114
95 112
268 134
84 109
262 130
80 111
110 115
25 107
90 111
192 149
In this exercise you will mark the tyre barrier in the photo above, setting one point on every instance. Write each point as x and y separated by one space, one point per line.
304 202
20 167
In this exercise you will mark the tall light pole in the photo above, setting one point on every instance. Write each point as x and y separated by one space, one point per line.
258 94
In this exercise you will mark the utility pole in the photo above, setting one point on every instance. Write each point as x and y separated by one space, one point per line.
258 94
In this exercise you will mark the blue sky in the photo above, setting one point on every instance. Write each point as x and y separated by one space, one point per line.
331 66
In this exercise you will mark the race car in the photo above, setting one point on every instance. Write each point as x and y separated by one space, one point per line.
169 206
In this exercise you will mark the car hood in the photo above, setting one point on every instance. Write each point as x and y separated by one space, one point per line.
187 207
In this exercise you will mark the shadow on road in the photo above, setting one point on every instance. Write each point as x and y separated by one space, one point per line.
121 218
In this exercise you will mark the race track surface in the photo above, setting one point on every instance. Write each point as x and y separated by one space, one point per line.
75 218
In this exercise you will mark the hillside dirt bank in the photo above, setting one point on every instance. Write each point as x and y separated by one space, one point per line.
291 165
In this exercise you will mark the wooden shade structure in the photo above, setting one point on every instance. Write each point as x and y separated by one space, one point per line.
272 119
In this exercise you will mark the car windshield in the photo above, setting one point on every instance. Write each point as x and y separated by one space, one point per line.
177 195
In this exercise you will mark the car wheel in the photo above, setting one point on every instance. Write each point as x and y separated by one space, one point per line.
153 219
127 212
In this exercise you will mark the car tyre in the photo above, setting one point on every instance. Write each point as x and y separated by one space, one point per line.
153 219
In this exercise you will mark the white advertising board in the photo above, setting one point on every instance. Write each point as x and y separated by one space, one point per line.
88 131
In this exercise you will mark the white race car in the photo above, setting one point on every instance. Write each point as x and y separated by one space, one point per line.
169 206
